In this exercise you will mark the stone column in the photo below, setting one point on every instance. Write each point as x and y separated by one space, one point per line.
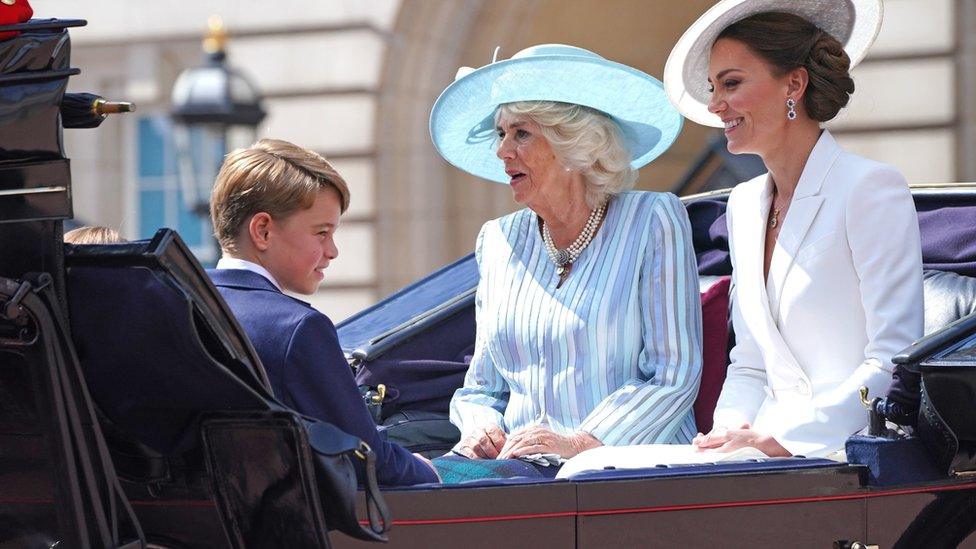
966 90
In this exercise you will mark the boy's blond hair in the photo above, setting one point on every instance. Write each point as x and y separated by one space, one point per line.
93 235
272 176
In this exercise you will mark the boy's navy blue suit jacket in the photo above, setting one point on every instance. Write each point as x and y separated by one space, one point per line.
299 348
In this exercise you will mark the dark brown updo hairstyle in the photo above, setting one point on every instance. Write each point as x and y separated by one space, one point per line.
788 42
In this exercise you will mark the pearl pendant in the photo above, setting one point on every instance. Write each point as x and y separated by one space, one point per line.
564 258
563 272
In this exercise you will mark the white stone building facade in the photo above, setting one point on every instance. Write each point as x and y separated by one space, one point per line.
355 80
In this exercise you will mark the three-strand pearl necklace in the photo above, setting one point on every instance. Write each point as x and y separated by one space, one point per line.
564 258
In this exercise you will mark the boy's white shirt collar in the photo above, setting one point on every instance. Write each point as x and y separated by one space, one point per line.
235 263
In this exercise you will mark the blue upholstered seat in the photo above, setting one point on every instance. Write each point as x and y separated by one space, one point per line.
892 461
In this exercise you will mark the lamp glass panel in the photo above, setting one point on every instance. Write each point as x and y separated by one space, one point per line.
201 86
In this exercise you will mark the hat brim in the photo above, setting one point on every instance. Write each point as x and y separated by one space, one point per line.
855 23
462 124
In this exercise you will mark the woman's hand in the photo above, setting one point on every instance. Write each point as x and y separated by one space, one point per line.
485 443
539 440
721 439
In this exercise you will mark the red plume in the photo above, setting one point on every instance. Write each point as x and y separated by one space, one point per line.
13 12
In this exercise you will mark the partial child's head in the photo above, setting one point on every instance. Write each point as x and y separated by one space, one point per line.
278 205
93 235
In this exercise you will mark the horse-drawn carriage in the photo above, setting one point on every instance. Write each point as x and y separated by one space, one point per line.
134 410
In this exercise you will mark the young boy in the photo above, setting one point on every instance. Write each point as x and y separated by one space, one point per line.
275 209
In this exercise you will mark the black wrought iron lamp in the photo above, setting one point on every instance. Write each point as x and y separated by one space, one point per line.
208 103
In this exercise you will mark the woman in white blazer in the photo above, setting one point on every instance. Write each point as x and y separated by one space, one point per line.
826 259
827 272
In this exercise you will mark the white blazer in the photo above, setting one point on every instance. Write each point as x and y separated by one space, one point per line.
844 294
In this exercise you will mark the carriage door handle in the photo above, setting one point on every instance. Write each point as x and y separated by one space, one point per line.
845 544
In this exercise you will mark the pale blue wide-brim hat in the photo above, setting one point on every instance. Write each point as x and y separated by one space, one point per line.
462 122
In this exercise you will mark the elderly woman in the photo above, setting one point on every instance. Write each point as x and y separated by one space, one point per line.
588 313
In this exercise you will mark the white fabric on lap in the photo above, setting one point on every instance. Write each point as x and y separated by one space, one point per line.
649 455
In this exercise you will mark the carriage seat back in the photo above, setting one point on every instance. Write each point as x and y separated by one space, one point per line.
948 297
154 351
715 347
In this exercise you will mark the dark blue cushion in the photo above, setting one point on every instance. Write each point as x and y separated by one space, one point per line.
892 461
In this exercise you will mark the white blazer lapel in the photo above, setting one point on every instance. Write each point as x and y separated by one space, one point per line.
750 226
803 210
798 220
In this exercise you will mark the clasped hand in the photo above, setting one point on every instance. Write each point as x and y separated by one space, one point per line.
721 439
492 443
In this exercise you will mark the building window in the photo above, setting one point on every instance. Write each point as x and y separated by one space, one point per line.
167 192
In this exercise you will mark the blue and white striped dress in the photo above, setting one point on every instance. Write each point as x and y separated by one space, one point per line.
616 351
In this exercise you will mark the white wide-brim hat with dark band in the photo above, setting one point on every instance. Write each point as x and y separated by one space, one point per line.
462 122
855 23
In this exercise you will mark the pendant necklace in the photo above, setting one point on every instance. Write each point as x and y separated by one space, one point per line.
774 220
565 257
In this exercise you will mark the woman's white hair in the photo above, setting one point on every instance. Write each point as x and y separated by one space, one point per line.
584 140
